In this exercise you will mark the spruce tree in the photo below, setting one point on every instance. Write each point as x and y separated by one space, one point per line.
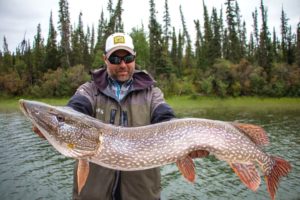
265 57
198 45
255 28
298 45
7 58
78 43
115 23
290 47
241 28
1 61
100 42
234 52
155 42
141 46
92 45
167 24
222 31
188 50
28 61
244 41
207 40
119 26
216 40
38 54
284 36
174 52
255 39
65 33
87 59
51 57
251 48
226 46
274 46
180 53
110 8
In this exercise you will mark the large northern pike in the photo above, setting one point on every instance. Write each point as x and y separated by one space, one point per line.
178 141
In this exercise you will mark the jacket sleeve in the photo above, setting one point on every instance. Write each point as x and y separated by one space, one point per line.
161 111
81 104
83 100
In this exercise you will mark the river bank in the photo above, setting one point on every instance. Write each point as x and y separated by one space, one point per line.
186 103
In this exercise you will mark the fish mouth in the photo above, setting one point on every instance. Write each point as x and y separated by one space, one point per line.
23 106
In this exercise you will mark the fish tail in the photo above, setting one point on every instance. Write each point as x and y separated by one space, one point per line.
280 168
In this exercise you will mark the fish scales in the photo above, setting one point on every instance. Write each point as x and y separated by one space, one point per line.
164 143
177 141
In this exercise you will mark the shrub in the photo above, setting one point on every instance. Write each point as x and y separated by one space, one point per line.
207 86
60 82
11 83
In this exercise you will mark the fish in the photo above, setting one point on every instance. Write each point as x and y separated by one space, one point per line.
179 141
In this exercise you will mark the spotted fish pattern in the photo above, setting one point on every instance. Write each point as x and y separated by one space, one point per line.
177 141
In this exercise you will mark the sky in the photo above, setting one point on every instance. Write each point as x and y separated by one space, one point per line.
20 18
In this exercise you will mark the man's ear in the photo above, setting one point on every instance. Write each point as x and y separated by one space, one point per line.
104 57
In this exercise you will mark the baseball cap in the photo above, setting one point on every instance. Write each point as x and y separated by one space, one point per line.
117 41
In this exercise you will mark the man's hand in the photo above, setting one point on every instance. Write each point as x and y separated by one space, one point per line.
38 132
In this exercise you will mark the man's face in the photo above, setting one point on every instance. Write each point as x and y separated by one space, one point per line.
122 71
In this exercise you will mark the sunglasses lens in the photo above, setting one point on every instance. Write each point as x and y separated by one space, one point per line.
129 58
117 60
114 60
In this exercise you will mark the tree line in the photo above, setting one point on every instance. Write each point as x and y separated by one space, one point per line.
224 60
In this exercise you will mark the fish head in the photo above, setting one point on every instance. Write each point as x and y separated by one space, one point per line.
72 133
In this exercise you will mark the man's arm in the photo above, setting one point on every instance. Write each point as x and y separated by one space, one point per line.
163 112
81 104
84 99
160 110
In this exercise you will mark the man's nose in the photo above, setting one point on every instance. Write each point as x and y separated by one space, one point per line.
123 64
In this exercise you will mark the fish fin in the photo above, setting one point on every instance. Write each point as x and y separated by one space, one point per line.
280 168
83 170
248 174
198 154
187 167
256 133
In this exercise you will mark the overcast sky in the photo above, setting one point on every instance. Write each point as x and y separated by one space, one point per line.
19 18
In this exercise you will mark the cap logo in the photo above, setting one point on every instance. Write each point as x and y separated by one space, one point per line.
119 40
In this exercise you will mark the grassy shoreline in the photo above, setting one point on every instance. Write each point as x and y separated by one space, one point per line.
13 103
180 103
237 102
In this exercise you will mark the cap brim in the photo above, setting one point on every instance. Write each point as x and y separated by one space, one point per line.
120 48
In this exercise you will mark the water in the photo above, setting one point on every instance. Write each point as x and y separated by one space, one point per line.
31 169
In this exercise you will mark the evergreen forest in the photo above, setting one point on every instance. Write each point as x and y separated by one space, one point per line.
224 59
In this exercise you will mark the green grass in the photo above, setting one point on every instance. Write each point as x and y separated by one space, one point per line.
185 103
10 104
180 103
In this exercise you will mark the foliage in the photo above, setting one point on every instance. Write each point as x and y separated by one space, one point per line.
60 82
141 47
221 61
12 83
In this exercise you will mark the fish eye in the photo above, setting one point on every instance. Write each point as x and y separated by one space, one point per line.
60 118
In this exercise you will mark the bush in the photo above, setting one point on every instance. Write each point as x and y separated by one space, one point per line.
60 82
221 88
174 86
235 89
207 86
11 83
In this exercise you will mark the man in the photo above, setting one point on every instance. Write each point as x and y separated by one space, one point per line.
122 95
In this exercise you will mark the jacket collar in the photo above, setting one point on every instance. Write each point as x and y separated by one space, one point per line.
141 79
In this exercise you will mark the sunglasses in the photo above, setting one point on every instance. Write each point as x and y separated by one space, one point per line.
115 60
